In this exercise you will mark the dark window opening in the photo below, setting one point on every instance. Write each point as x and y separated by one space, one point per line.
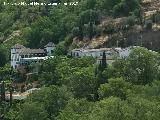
77 54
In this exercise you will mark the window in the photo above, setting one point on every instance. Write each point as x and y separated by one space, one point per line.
45 50
77 54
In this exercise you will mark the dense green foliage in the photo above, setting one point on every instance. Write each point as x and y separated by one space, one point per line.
4 56
78 88
38 25
71 89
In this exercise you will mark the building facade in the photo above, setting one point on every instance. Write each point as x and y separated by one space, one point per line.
111 53
21 54
96 53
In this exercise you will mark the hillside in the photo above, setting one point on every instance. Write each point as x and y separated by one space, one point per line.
91 24
134 34
114 76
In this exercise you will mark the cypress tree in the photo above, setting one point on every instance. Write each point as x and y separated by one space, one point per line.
11 92
2 91
104 63
91 31
101 68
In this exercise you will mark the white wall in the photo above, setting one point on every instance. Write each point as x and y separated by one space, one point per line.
95 54
125 52
14 58
49 50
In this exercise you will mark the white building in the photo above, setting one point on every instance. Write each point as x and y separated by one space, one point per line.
124 52
20 54
96 53
50 47
111 53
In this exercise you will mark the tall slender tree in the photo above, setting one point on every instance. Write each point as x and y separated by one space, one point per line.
101 68
11 92
103 63
2 91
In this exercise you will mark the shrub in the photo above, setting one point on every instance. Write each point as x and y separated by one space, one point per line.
131 20
138 13
90 30
156 17
75 31
109 28
148 25
98 30
118 9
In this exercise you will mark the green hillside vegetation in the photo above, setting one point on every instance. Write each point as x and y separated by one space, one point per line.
38 25
78 88
73 88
